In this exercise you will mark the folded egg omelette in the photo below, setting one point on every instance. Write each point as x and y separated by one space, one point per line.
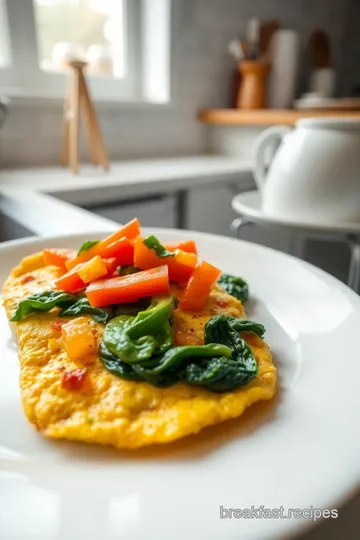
110 410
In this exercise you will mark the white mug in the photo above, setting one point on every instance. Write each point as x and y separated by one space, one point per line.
314 175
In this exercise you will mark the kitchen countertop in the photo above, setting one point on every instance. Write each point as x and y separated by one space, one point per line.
127 179
39 198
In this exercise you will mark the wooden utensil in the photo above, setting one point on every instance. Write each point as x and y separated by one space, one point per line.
78 99
320 49
267 30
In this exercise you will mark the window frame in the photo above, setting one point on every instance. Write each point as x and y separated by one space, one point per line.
22 76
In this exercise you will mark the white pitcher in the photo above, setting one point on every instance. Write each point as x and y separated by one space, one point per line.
314 175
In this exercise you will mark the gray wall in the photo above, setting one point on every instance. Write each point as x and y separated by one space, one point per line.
202 67
350 65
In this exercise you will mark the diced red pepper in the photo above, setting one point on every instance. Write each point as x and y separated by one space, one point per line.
58 257
126 289
180 266
57 324
27 279
198 289
74 380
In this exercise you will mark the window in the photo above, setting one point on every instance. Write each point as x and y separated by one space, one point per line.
37 37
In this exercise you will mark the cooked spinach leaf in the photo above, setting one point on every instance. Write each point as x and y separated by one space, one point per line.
82 306
127 270
139 348
235 286
132 309
115 366
87 245
43 301
215 326
135 339
153 243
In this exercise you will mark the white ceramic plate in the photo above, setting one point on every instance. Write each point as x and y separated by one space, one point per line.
299 451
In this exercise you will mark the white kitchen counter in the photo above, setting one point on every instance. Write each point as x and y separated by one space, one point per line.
128 179
38 199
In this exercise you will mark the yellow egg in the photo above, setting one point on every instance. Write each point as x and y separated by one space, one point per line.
107 409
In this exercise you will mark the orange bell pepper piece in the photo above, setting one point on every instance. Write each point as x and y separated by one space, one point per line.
58 257
189 246
198 289
124 289
130 230
71 281
122 249
180 266
93 269
79 341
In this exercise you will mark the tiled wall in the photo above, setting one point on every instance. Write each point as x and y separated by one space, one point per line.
202 69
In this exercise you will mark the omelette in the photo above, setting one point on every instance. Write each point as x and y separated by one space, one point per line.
110 410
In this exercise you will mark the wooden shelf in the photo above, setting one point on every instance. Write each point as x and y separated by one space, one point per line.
266 117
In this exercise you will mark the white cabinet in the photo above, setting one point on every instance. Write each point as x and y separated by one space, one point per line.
152 212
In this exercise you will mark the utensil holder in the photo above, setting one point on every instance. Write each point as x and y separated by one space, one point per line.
253 89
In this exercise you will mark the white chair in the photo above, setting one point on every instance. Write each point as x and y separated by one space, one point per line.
248 206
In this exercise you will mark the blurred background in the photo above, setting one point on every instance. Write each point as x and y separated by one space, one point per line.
182 90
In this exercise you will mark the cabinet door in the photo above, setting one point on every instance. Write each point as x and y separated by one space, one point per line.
152 212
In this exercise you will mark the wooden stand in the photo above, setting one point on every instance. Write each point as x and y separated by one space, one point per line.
79 98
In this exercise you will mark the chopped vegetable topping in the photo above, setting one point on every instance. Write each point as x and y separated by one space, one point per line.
130 230
126 289
180 266
74 380
153 243
93 269
235 286
198 289
71 281
57 324
58 257
27 279
87 245
43 301
78 338
189 246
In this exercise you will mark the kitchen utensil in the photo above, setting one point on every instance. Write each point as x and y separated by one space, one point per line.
320 49
79 96
236 50
267 30
314 175
252 38
322 80
253 90
279 450
284 53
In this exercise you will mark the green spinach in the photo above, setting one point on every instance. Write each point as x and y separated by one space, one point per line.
127 270
43 301
87 245
153 243
82 306
140 348
135 339
235 286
